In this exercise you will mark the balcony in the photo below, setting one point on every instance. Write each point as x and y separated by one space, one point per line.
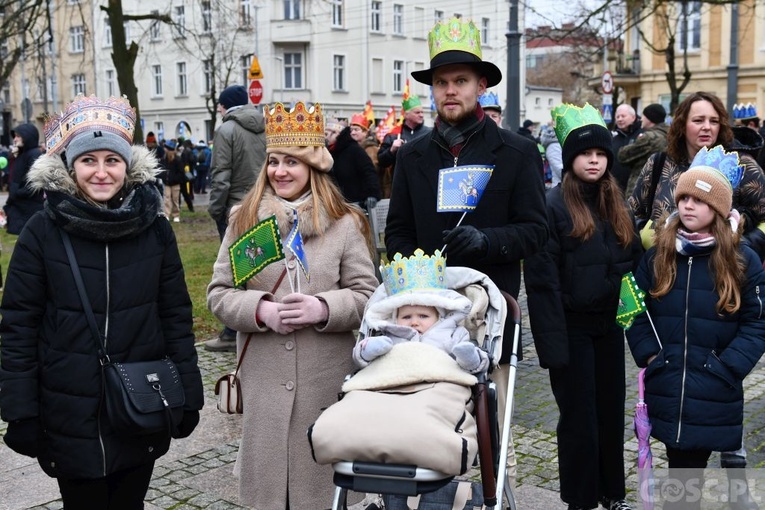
290 31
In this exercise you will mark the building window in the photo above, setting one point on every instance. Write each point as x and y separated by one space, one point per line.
338 66
245 13
154 28
484 30
156 80
107 33
293 70
180 21
111 84
438 16
291 9
398 19
689 33
208 75
376 17
159 128
78 84
337 13
183 85
420 28
206 18
77 39
534 61
398 76
378 76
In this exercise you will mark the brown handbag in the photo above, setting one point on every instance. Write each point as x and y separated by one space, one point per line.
228 388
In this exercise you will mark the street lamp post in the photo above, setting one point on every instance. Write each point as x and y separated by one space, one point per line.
513 110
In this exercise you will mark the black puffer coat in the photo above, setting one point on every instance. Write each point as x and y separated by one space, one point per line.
353 169
22 202
135 281
694 389
574 280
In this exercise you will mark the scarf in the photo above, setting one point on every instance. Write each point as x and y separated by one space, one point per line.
694 243
135 214
455 136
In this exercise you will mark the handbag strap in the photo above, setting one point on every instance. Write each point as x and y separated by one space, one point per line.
249 337
83 294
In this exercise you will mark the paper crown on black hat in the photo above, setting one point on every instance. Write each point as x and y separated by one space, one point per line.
490 100
744 111
457 41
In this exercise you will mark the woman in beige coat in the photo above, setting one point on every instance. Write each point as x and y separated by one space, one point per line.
301 342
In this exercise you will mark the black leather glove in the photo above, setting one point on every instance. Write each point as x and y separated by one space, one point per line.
371 203
188 424
465 240
23 437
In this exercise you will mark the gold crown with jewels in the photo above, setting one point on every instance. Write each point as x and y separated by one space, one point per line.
113 115
302 127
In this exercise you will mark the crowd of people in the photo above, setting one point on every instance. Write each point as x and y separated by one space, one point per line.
573 204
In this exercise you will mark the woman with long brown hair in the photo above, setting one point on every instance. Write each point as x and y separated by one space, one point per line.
300 343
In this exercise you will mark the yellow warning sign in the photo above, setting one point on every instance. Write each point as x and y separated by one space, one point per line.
255 72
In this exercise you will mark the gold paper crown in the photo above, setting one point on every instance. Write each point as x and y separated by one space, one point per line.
568 117
114 115
418 272
302 127
455 34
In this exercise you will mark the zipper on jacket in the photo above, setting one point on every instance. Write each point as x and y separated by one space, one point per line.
685 353
106 336
759 299
456 158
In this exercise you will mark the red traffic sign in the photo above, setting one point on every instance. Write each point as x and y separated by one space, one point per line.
607 82
255 92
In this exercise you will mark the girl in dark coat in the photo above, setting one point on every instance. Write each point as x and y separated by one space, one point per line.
51 390
22 202
704 295
573 293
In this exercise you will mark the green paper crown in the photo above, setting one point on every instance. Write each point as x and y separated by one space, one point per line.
568 117
411 102
455 34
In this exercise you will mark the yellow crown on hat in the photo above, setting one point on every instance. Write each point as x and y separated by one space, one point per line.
455 34
113 115
302 127
417 272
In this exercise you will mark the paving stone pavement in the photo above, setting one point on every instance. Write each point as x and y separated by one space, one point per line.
197 472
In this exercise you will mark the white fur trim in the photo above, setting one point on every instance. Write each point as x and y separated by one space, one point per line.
448 300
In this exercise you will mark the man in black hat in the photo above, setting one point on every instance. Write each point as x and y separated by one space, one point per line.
652 138
525 130
509 222
237 159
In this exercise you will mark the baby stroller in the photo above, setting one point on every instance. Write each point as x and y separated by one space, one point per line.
485 324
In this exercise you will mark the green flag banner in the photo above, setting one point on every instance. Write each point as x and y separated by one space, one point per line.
631 301
255 249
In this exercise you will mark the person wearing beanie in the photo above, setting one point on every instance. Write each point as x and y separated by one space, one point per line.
413 127
237 157
21 203
573 295
651 139
298 341
705 328
102 205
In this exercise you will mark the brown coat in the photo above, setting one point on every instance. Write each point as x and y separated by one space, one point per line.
287 380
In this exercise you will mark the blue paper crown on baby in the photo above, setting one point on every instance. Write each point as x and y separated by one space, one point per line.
744 111
417 272
724 162
489 99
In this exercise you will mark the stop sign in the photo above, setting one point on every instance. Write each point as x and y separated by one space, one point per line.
255 91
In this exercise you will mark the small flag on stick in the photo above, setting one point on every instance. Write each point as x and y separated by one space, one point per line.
631 301
460 187
369 113
254 250
294 243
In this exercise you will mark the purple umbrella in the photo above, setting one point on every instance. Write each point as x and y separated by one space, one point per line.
642 427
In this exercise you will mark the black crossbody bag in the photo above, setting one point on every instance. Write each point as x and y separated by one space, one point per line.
142 397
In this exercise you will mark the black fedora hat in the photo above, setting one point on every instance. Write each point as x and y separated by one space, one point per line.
457 42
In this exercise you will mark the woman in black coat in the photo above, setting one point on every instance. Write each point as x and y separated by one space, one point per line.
51 391
354 171
22 202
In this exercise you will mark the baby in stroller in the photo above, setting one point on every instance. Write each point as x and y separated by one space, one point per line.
429 314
